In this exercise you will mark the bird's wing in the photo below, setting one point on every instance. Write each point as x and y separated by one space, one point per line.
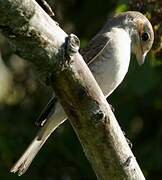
92 51
47 112
95 47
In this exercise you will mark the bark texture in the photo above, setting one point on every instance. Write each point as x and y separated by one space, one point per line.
37 38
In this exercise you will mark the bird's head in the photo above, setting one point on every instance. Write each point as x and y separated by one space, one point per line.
142 35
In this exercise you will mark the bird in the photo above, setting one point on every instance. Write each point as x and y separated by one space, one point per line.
108 56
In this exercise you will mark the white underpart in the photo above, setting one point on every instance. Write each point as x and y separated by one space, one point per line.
110 70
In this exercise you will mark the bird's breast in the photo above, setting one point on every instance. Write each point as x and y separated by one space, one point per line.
110 68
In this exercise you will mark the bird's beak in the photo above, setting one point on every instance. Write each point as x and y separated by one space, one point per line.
140 57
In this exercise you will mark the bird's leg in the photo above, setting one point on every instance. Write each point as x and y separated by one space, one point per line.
128 141
112 108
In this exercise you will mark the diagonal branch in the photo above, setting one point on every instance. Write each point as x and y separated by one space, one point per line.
37 38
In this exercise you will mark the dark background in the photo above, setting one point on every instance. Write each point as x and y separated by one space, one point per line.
137 101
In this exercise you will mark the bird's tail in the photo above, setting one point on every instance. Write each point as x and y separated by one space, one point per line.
27 157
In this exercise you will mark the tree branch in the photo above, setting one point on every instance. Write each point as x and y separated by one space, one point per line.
37 38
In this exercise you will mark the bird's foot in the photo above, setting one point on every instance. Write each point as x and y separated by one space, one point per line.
128 141
112 108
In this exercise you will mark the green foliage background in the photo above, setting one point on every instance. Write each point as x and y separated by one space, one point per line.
137 102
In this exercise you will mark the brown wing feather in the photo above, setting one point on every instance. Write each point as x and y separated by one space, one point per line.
94 47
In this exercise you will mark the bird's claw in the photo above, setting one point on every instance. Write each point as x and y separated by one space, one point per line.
112 108
128 141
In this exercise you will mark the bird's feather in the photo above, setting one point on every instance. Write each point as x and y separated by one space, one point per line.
109 58
95 47
47 111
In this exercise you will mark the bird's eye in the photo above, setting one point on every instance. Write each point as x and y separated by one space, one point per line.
145 36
